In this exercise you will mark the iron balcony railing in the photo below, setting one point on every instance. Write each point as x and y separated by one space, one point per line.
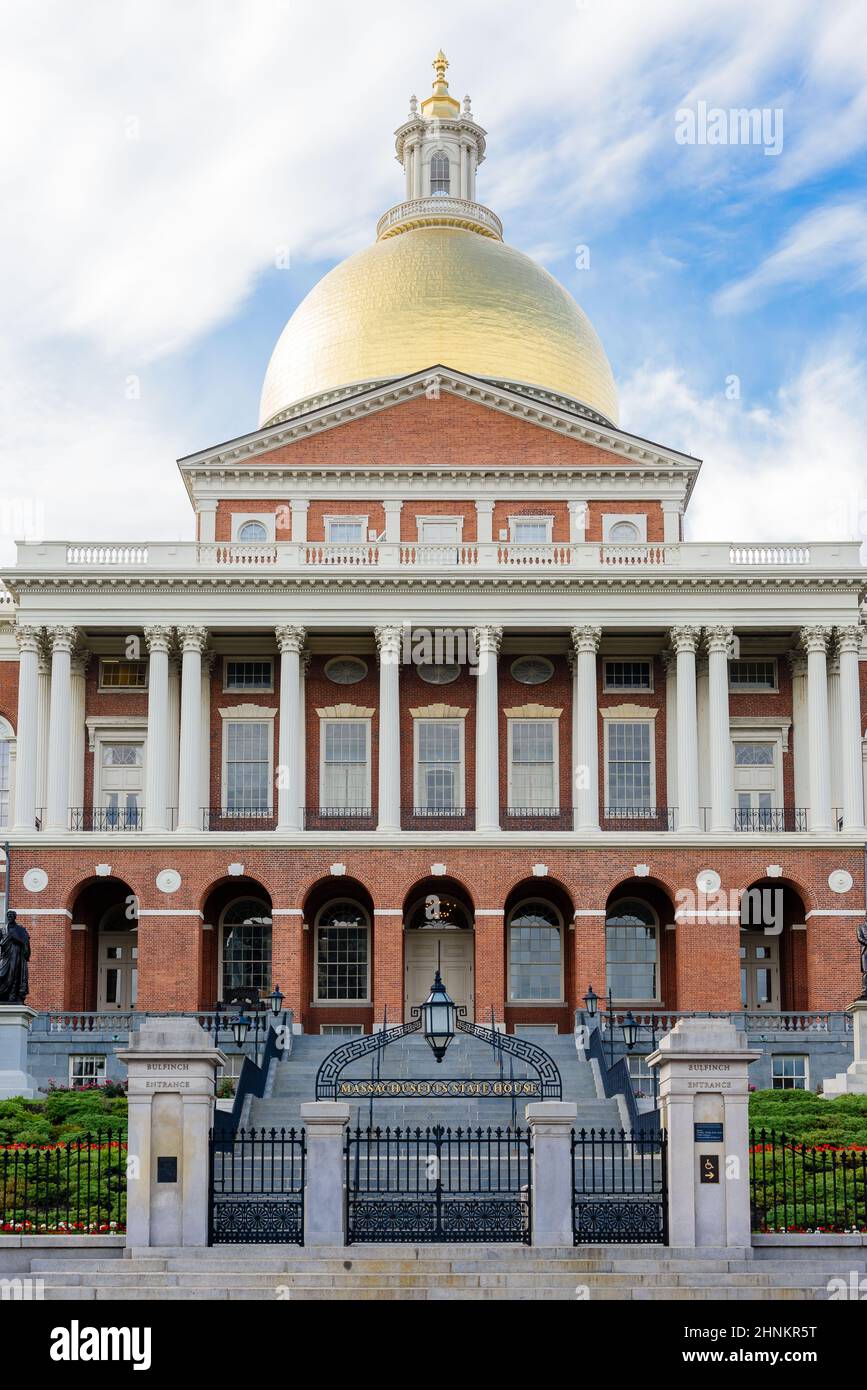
788 818
639 818
101 818
536 818
238 818
339 818
437 817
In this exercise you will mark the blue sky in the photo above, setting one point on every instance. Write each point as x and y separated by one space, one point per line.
157 159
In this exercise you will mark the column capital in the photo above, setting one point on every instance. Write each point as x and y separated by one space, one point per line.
392 504
719 640
586 639
62 639
815 638
81 660
388 643
488 639
29 639
484 504
685 639
193 639
158 638
849 638
290 638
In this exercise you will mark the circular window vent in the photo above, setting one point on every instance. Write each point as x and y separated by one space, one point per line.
532 670
439 674
346 670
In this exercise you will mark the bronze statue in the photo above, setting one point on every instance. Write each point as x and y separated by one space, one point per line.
14 955
861 931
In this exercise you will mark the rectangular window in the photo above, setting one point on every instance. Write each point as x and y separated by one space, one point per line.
631 960
122 754
753 675
86 1070
532 765
754 755
789 1073
640 1075
628 675
118 674
630 764
345 765
4 781
531 530
345 529
248 675
439 779
342 1030
341 962
248 775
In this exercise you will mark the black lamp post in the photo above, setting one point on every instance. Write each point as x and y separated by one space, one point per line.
240 1028
438 1013
630 1030
277 997
591 1001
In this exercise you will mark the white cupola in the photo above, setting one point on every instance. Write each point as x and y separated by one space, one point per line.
440 146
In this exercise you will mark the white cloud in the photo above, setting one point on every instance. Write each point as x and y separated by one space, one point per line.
790 471
826 242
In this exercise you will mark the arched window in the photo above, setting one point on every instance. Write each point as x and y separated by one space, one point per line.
625 532
535 952
439 173
632 951
7 743
246 946
252 531
342 966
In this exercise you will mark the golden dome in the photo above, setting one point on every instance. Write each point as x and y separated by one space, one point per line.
438 295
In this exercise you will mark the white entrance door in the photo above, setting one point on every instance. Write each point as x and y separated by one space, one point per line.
760 971
118 970
755 785
122 781
456 965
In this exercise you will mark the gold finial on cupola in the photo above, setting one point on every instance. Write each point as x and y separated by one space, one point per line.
439 103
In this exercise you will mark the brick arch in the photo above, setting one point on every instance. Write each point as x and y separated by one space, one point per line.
661 899
794 952
213 903
92 881
305 890
88 902
229 883
633 884
319 893
446 884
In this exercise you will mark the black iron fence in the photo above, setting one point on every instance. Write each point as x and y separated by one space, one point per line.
77 1187
619 1187
339 818
639 818
806 1187
438 1184
238 818
256 1183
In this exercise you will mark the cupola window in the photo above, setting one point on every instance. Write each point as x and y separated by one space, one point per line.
439 174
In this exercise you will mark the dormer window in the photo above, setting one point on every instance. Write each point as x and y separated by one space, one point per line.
439 174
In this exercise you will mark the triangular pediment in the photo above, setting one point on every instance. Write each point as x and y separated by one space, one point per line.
439 419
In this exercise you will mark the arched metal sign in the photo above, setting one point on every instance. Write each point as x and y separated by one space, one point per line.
545 1085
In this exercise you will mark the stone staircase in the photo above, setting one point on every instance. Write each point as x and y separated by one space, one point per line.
293 1081
441 1272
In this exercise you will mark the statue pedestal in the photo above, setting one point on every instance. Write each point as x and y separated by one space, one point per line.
15 1080
852 1081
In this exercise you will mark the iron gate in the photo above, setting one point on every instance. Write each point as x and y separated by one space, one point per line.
436 1184
256 1187
619 1187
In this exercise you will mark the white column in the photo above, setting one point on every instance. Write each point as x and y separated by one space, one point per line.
577 521
815 642
465 182
156 760
669 658
488 641
416 169
392 511
849 647
685 640
193 641
42 715
585 752
303 665
205 734
299 512
388 641
78 687
26 733
290 641
834 752
719 646
800 731
484 521
62 640
702 715
671 514
173 739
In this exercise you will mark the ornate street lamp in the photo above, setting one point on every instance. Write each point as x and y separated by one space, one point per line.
630 1030
438 1013
240 1028
591 1001
277 997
